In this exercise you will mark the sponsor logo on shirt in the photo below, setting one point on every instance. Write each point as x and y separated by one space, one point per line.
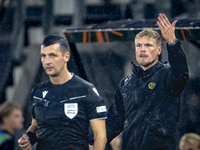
71 109
44 93
101 109
95 90
151 85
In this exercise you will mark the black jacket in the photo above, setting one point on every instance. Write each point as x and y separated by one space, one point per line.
146 104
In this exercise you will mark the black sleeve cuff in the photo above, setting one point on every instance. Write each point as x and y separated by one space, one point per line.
32 137
174 49
172 44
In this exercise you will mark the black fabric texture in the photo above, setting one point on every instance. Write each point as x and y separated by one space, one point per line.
146 105
63 113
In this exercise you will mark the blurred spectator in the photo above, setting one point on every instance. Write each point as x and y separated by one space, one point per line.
189 141
11 119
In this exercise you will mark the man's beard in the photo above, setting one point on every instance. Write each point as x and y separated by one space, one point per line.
146 64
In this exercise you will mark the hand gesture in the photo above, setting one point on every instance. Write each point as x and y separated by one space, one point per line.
24 142
167 29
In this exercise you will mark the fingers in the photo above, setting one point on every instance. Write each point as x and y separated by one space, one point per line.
167 29
160 26
163 21
27 147
24 143
174 23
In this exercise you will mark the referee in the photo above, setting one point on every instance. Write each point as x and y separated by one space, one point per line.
65 106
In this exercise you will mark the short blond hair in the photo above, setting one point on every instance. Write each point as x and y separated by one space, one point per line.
6 108
150 33
191 138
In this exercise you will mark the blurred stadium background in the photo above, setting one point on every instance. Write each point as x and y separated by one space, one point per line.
101 35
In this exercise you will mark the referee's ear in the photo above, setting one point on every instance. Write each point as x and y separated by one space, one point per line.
67 57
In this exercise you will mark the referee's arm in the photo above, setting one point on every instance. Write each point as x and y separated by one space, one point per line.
33 128
29 138
99 131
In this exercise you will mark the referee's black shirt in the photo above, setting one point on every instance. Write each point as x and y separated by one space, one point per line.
63 112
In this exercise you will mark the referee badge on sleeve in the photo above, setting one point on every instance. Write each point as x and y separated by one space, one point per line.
101 109
71 109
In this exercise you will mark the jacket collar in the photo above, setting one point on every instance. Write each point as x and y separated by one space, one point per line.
140 73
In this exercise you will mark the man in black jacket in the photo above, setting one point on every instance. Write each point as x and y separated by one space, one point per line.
146 102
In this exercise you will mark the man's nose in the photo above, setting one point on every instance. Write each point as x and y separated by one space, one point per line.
143 48
47 60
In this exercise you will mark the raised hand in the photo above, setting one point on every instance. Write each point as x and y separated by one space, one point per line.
167 29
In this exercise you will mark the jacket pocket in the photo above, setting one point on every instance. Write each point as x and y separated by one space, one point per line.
157 134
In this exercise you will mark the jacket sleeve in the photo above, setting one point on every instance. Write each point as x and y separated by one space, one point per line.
115 117
178 74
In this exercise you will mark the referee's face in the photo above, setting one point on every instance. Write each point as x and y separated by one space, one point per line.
53 61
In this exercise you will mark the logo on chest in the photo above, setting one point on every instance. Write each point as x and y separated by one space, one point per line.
151 85
44 93
71 109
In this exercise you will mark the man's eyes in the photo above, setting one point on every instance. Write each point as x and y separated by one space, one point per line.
147 45
52 55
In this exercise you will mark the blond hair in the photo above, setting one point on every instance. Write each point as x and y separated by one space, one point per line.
191 138
150 33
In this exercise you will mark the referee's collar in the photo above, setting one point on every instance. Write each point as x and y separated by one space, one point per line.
63 83
72 75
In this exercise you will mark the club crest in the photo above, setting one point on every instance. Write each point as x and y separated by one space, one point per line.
71 109
151 85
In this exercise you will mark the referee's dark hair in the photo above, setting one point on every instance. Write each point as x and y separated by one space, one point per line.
53 39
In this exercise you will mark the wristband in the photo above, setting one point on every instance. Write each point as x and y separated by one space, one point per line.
32 137
174 42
